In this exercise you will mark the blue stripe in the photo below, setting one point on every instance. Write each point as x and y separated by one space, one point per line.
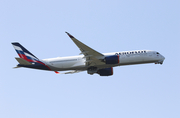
19 52
35 66
24 49
31 58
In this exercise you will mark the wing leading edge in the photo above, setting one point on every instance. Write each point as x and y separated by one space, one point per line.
92 56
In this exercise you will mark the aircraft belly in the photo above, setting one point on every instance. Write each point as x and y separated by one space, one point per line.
74 65
69 68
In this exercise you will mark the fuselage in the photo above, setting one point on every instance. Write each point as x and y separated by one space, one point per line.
125 58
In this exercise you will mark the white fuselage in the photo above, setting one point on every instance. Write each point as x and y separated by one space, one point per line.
125 58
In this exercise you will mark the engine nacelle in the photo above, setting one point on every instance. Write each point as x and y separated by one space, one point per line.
112 59
105 72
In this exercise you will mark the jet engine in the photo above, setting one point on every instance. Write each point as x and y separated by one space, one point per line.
112 59
105 72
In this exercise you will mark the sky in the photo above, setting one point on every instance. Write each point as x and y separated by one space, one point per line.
138 91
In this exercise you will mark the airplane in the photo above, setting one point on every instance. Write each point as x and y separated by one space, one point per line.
89 60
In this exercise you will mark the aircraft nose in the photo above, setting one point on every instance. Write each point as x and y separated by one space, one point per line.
163 58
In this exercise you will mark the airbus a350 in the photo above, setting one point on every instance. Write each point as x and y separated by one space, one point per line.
90 60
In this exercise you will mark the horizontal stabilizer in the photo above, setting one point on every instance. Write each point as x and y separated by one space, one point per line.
16 67
23 61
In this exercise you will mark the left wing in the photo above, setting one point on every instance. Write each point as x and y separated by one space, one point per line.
92 56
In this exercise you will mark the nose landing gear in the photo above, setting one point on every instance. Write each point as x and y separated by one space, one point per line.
159 62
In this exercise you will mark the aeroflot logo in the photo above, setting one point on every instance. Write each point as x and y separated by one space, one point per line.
132 52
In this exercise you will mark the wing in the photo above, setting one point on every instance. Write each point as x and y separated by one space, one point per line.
93 57
72 72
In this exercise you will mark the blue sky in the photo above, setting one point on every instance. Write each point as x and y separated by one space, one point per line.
136 91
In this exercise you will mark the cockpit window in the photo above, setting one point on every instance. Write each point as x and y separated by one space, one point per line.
157 52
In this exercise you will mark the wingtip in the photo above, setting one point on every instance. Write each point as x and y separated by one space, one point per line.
14 42
56 72
69 35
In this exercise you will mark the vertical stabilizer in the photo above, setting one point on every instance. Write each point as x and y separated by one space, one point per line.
27 59
24 53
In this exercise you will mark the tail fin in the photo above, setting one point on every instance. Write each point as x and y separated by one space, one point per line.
24 53
27 59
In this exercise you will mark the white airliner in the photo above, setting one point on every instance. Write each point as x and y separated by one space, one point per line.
91 60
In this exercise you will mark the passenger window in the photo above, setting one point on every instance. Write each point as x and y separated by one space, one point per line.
157 53
135 52
141 51
138 51
132 52
127 53
144 51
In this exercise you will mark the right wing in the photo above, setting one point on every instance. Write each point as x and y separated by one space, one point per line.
72 72
92 56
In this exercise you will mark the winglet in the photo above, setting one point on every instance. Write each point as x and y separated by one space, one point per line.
56 72
69 35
